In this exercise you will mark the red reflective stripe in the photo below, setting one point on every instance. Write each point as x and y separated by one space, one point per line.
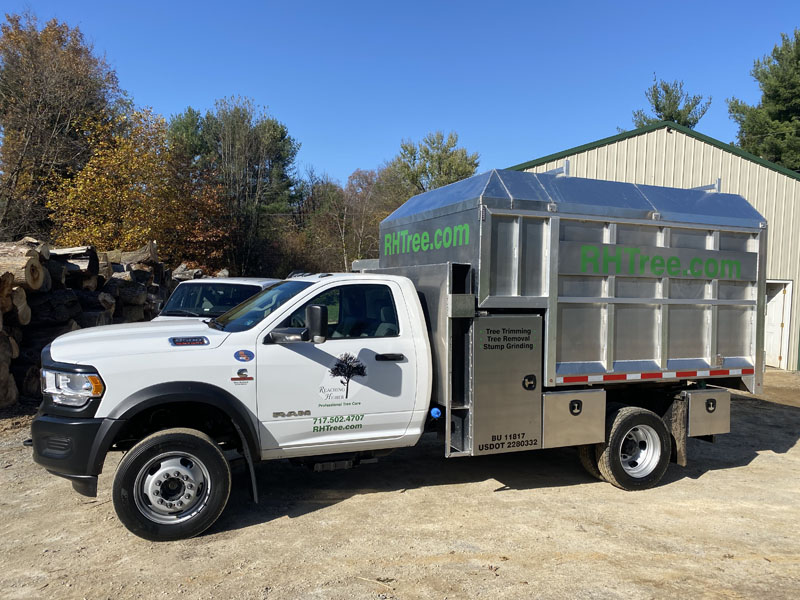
617 377
651 375
578 379
630 376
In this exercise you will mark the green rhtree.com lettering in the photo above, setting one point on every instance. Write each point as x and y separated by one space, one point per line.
623 260
403 242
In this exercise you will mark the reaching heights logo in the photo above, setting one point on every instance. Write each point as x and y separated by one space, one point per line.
348 366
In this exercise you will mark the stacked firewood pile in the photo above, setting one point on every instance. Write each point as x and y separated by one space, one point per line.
46 292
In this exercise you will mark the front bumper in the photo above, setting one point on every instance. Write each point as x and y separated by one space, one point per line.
72 448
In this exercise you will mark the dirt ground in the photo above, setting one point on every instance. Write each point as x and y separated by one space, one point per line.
415 525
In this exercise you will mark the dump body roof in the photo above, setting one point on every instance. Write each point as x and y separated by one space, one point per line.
574 195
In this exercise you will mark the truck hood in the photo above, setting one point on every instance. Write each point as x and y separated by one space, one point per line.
129 339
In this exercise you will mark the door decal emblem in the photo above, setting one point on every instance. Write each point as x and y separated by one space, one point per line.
243 355
241 377
348 366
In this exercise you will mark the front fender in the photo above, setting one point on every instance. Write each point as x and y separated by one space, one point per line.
190 391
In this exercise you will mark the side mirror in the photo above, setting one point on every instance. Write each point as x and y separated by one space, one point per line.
317 323
287 335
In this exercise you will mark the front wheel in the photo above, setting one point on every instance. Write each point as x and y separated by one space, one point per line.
172 485
637 451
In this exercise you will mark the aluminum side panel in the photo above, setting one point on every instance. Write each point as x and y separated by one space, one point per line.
507 387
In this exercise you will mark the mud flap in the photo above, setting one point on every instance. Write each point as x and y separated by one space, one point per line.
677 420
249 458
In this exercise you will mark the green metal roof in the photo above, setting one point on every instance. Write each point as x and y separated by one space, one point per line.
647 129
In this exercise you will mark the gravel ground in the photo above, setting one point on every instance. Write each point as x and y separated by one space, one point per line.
526 525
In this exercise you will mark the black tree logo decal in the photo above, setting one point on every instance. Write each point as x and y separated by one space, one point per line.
348 366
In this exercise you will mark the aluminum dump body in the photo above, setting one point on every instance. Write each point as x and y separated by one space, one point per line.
634 282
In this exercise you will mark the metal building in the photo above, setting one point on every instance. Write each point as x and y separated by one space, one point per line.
667 154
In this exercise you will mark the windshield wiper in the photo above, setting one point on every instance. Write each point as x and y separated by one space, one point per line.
214 324
178 312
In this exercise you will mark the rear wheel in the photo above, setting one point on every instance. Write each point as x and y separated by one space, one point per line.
172 485
637 451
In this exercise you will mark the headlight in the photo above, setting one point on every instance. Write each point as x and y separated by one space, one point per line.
72 389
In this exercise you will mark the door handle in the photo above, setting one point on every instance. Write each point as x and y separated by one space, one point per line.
389 357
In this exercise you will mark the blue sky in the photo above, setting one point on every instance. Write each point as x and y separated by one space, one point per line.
515 80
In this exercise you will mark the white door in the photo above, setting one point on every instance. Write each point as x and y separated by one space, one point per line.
776 326
359 385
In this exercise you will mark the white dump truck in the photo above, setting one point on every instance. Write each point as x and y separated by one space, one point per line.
509 312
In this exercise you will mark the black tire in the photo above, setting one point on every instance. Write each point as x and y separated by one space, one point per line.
172 485
588 457
637 450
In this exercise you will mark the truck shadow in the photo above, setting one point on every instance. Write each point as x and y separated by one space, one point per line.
287 490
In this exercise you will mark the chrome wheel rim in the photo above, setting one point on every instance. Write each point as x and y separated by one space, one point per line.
640 451
172 488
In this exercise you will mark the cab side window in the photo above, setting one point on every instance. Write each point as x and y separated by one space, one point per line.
354 311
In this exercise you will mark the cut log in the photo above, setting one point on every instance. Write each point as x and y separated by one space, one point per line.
47 281
19 316
158 273
58 273
43 248
27 271
8 388
14 346
89 283
106 268
84 257
18 297
6 349
27 380
95 300
147 254
58 306
141 273
182 273
13 331
6 283
16 249
133 313
38 337
95 318
127 292
21 313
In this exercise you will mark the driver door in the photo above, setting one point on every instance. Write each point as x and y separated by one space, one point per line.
357 386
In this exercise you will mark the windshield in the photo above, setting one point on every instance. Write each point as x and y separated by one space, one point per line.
257 308
210 299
